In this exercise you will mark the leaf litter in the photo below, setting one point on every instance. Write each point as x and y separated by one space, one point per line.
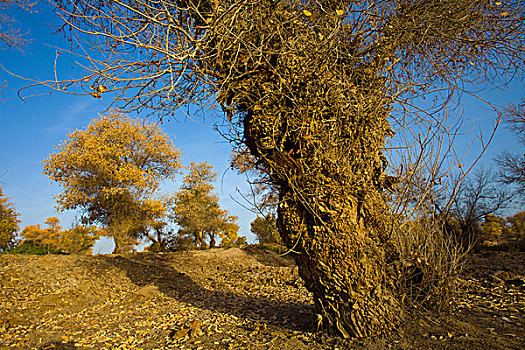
227 299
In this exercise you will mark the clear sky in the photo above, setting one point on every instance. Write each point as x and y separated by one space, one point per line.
29 129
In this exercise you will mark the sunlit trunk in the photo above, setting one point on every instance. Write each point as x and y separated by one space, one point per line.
199 240
343 262
118 245
212 240
333 216
119 233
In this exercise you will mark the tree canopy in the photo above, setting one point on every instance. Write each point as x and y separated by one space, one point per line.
197 212
111 171
79 239
478 197
8 223
517 224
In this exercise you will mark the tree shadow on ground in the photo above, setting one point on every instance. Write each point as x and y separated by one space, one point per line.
271 258
156 270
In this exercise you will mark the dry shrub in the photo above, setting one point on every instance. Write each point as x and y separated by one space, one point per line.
428 265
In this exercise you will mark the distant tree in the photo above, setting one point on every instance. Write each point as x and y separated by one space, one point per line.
34 233
54 230
517 224
111 171
233 241
158 236
228 230
512 166
477 197
264 228
493 226
150 227
79 239
178 242
8 223
196 208
48 238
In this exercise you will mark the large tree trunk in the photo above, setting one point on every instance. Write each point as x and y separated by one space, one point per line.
199 240
212 240
343 262
314 112
120 234
119 244
333 215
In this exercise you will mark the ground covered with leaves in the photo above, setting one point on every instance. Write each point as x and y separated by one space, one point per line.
227 299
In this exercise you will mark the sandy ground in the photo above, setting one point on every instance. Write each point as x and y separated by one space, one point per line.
227 299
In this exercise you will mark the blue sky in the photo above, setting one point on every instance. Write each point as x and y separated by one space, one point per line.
29 129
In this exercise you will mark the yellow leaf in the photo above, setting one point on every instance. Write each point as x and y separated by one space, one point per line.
497 3
95 95
504 14
307 13
101 89
340 12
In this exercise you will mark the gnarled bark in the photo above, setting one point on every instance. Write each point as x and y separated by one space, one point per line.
316 120
333 216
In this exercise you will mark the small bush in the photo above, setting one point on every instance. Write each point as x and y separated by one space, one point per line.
428 264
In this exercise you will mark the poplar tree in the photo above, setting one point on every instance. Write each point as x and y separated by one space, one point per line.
197 211
111 171
8 223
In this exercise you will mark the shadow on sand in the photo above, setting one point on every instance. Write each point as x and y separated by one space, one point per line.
156 270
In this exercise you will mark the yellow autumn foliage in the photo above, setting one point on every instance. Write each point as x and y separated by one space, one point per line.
197 212
76 240
8 223
112 170
493 226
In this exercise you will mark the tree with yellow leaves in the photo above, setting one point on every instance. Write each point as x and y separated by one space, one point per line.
48 238
319 92
112 171
517 224
8 223
493 226
197 212
77 240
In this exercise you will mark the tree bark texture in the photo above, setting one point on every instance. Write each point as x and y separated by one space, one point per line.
337 227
